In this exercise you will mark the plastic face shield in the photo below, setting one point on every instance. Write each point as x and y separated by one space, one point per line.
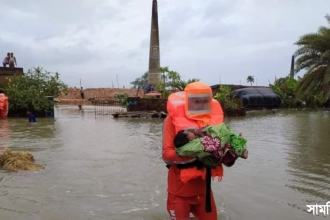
199 104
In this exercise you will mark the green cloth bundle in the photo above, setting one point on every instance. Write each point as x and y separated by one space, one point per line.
196 149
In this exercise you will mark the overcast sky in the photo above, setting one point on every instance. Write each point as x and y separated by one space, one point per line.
96 39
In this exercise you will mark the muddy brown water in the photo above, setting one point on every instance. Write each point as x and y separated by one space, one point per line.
105 168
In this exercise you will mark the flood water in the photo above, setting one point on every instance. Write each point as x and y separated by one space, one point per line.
103 168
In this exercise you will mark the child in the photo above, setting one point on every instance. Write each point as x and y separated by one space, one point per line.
212 145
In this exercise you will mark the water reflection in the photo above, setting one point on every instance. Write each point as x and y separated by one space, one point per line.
309 157
5 133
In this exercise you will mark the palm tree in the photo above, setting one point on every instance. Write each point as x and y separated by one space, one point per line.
314 56
181 85
250 79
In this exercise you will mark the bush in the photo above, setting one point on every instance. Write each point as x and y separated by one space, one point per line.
34 90
122 99
227 99
286 89
316 101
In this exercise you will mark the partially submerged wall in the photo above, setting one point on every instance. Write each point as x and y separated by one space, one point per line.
138 104
7 75
74 97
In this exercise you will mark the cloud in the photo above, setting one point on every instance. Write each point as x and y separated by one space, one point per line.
101 39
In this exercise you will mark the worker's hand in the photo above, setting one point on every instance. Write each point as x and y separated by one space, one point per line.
245 154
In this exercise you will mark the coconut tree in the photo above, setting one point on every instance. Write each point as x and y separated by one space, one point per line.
314 56
250 79
173 79
181 85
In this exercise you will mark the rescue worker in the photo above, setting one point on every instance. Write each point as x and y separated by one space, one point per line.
192 108
4 106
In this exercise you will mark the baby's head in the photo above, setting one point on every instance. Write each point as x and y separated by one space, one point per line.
183 137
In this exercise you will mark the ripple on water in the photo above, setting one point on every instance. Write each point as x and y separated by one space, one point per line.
101 168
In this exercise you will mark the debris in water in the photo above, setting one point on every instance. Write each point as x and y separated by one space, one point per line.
17 160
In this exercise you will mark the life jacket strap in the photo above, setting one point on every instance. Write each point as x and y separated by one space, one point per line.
208 207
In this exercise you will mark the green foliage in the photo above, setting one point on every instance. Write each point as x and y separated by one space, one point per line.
161 87
150 97
277 90
30 91
122 99
227 99
166 94
173 79
250 79
140 82
288 85
286 89
315 101
314 56
169 78
181 85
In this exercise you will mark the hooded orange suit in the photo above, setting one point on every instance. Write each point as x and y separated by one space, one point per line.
188 183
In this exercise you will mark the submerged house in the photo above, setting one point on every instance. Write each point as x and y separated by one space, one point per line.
255 97
258 97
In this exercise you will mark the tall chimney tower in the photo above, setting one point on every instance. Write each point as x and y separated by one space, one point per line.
292 67
154 55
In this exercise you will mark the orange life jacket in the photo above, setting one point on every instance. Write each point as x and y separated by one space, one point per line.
3 105
177 107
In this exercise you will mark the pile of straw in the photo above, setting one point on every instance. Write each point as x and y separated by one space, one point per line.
16 160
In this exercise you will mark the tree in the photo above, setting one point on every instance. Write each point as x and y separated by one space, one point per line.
169 78
227 99
314 56
173 79
181 85
286 89
31 91
140 82
250 79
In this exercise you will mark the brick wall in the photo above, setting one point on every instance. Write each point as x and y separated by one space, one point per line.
108 92
138 104
73 94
